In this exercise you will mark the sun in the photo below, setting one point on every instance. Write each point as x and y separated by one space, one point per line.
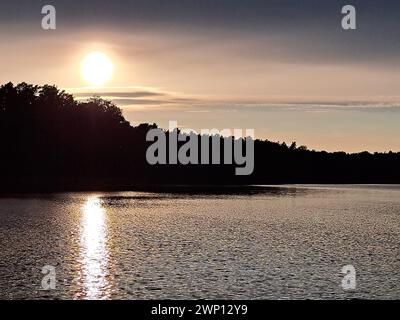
96 68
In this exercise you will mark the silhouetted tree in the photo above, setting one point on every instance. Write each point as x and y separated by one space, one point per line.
51 141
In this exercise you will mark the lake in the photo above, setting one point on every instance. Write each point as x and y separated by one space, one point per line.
264 242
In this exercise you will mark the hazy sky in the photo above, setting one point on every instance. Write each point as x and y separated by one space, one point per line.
284 68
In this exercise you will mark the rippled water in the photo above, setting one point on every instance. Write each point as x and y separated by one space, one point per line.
286 242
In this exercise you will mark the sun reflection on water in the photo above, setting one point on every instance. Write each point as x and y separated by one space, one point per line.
94 275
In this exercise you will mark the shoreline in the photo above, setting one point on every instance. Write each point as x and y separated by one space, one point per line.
192 188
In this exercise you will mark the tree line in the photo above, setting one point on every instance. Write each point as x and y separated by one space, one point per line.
51 141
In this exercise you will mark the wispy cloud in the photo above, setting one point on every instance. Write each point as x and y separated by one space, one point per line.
137 97
137 94
141 98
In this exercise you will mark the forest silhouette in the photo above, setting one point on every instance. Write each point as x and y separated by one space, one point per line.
51 141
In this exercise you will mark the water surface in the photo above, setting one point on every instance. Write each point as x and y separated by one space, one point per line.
287 242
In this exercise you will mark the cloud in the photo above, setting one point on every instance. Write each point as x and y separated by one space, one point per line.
311 107
166 101
135 98
137 94
129 102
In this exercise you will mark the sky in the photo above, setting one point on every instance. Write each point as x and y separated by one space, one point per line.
284 68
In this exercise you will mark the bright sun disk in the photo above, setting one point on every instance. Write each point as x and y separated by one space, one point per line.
96 68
